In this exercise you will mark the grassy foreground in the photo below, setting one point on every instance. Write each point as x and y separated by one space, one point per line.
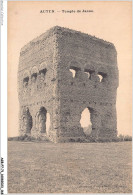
69 167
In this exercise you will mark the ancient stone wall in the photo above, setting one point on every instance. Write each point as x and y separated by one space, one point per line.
47 83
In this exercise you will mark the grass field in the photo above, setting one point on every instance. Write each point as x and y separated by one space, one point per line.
69 167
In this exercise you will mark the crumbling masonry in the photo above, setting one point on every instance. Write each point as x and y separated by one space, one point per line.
47 88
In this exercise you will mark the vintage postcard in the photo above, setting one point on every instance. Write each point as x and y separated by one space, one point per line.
69 78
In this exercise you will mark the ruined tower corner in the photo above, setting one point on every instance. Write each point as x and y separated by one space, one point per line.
67 86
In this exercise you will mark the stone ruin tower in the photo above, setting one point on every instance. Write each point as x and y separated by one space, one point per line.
48 90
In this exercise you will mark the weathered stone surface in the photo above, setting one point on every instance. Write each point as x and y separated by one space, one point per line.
46 85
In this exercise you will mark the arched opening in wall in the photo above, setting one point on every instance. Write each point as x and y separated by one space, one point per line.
85 121
41 120
74 71
42 73
102 76
89 72
25 81
27 121
33 77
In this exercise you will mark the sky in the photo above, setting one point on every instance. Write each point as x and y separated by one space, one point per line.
110 21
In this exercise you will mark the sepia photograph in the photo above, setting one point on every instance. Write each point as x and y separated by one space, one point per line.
69 97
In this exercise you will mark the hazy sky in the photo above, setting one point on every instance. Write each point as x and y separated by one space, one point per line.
110 21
